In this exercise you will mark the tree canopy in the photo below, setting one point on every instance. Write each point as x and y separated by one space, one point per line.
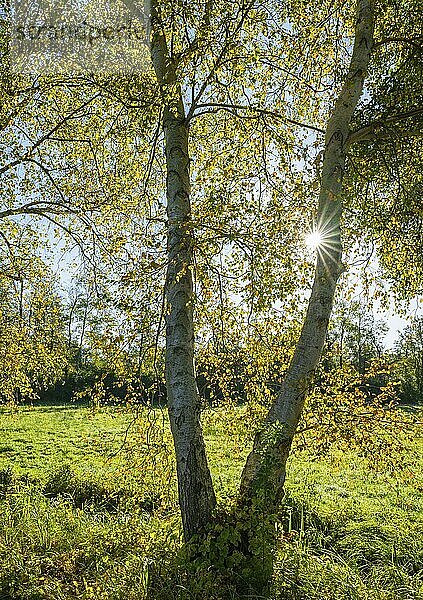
184 193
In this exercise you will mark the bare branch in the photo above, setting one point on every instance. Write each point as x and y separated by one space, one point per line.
257 112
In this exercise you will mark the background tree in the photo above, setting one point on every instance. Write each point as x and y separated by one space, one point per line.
355 336
34 353
409 350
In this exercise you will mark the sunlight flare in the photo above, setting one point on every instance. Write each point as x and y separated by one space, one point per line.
314 239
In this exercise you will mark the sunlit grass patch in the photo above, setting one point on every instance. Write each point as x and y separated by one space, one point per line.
85 516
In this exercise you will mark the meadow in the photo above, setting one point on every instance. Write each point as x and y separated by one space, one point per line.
88 511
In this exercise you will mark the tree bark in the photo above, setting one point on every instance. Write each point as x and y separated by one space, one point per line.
195 488
264 472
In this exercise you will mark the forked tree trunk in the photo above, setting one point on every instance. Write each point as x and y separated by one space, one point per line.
263 476
264 473
195 488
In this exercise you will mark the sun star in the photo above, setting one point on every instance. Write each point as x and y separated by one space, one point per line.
314 239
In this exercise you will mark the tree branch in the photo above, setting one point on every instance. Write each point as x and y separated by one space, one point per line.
378 130
46 136
259 112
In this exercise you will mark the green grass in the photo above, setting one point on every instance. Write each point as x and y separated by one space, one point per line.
85 516
36 439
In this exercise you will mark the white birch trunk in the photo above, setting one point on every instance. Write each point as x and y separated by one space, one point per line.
196 494
266 464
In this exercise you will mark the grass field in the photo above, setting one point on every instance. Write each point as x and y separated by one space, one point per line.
88 511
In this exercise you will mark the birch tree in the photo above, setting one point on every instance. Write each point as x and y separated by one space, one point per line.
265 467
241 68
265 470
